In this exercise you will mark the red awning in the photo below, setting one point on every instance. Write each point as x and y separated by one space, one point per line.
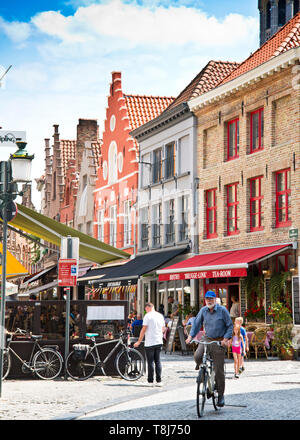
219 264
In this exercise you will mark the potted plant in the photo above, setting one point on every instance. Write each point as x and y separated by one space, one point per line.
283 324
255 314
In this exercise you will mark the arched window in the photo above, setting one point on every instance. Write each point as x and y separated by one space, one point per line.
112 163
281 12
296 6
268 15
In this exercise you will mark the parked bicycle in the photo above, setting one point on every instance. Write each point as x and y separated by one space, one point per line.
206 385
46 362
84 359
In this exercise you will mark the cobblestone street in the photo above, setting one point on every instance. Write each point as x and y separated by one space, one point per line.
267 390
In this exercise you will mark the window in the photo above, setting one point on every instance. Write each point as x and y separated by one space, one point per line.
183 226
232 209
281 12
211 213
112 163
268 12
156 227
296 6
144 227
100 232
257 130
157 166
113 226
256 198
233 139
127 223
170 161
283 198
170 225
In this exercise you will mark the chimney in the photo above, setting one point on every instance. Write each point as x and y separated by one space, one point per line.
87 131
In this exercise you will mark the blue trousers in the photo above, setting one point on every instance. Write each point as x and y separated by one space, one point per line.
153 358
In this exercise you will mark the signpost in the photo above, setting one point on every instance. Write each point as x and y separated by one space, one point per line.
67 277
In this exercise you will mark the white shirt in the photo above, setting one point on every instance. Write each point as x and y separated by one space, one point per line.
155 323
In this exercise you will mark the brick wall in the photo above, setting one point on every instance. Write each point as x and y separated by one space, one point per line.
280 101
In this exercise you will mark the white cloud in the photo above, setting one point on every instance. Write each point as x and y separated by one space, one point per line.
16 31
160 26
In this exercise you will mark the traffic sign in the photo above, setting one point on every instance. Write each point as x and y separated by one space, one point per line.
11 211
67 272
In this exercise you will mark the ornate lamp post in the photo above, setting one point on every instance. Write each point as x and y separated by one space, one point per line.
16 169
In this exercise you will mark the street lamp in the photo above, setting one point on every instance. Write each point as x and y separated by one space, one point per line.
16 169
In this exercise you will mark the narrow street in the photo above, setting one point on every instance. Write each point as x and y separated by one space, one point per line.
267 390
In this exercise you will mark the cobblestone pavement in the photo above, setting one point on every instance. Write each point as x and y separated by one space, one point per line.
268 389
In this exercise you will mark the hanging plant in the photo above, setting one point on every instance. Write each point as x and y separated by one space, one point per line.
254 284
278 283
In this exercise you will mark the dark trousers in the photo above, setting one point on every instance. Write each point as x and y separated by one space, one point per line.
153 357
217 354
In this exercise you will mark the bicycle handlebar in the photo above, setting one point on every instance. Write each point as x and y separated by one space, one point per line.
205 342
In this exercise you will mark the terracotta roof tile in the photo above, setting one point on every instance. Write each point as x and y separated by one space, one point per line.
207 79
288 37
68 151
97 150
142 109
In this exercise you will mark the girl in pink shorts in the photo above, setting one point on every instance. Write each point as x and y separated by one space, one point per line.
237 340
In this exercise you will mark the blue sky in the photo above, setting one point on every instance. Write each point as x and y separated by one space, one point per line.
63 53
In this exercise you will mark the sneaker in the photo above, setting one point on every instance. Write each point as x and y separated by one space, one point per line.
221 401
236 376
242 368
149 384
240 371
159 384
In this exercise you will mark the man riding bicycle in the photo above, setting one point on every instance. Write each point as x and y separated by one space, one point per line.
218 327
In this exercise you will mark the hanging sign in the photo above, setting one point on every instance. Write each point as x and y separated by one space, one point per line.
8 139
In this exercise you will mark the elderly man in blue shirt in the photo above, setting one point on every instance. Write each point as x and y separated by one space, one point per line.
218 327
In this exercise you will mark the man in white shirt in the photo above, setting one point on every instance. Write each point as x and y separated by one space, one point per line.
153 327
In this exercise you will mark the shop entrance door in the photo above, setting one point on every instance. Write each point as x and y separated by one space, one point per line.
225 291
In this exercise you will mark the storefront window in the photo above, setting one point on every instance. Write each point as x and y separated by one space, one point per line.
19 317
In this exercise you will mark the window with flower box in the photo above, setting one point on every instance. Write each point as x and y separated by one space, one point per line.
233 139
211 213
256 200
257 130
232 209
283 198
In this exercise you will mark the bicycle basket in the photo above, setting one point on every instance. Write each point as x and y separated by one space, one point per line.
81 351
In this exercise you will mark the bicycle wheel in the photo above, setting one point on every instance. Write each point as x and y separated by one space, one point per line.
201 391
47 363
81 369
130 364
6 364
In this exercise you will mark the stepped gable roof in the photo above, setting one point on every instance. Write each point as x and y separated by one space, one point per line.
142 109
288 37
209 77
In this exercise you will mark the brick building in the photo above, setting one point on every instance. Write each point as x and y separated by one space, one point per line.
117 182
249 179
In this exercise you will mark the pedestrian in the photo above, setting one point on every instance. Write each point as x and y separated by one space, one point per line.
153 328
174 306
161 309
237 340
218 327
137 322
239 321
235 308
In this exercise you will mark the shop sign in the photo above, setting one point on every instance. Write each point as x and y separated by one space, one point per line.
67 272
293 233
226 273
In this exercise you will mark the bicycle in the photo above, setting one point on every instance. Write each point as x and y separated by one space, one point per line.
206 385
46 363
83 360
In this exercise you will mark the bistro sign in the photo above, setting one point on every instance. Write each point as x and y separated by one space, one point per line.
226 273
9 138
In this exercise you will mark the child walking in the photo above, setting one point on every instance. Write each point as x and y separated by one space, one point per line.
237 340
239 321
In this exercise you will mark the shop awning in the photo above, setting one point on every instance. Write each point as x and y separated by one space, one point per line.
219 264
38 289
37 275
14 268
52 231
130 272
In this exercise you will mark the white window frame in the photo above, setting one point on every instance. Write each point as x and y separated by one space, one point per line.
100 225
127 222
113 225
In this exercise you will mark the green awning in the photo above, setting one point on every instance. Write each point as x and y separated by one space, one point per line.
52 231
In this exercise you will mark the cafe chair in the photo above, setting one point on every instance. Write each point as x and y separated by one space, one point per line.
258 341
251 328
